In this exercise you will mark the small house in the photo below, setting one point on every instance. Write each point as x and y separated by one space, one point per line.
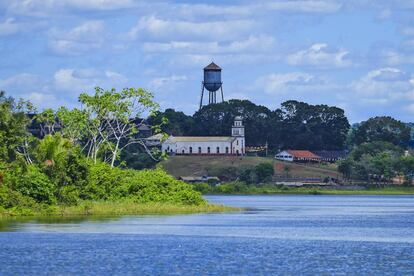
297 156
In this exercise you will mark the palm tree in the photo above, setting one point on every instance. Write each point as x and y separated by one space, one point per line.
52 150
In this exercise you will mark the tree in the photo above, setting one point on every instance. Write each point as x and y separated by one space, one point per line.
406 167
173 122
14 137
113 119
73 123
384 129
47 121
313 127
345 167
217 119
264 172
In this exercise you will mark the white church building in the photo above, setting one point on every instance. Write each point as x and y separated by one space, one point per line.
208 145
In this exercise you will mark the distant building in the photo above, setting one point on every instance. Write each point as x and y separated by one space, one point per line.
208 145
297 156
154 140
331 155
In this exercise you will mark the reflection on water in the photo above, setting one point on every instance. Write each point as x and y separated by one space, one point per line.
276 234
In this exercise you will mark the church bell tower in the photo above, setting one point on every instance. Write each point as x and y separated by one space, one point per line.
237 131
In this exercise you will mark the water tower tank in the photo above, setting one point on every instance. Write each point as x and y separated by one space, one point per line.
212 77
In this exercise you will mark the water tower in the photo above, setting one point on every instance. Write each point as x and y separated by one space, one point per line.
212 83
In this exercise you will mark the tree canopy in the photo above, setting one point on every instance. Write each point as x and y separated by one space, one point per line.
382 129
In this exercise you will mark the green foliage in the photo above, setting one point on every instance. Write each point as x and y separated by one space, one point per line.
33 183
377 162
172 122
296 125
13 126
260 173
264 172
385 129
54 170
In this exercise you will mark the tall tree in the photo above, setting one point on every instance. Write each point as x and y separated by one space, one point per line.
216 119
385 129
14 137
312 127
114 118
173 122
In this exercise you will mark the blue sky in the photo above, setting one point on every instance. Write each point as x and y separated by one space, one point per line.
355 54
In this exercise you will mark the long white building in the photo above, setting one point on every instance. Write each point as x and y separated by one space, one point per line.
208 145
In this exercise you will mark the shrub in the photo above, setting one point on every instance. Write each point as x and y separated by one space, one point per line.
35 184
264 172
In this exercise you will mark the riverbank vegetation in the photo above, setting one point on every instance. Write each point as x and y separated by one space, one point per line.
75 167
239 188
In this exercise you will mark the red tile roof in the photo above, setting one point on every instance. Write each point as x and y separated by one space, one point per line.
303 154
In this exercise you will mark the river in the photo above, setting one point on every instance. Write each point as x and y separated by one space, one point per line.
276 235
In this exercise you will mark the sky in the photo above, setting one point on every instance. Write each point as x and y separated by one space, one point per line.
354 54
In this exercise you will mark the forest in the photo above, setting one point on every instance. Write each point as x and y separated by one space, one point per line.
77 162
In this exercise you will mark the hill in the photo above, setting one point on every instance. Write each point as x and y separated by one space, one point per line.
208 165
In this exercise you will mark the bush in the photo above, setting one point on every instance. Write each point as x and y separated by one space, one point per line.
35 184
264 172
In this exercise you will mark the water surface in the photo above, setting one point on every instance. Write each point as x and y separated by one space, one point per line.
276 235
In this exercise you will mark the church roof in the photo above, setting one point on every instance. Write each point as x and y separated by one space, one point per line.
174 139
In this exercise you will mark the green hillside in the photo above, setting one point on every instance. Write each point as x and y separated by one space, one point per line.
207 165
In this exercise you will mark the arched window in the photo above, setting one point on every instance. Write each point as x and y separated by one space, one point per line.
227 150
182 151
208 150
191 150
237 142
217 150
199 150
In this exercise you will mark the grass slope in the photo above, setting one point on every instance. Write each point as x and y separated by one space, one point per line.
199 166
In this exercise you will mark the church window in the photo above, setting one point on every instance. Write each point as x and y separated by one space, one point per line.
182 151
208 150
237 142
218 150
227 150
191 150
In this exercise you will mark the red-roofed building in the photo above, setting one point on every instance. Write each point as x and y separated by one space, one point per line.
297 156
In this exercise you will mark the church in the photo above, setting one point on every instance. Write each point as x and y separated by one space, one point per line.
208 145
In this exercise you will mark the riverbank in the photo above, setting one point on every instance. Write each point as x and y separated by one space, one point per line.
242 189
90 208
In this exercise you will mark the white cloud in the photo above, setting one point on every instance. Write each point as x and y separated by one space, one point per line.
83 38
161 82
319 55
253 44
393 57
84 80
311 6
408 31
152 27
22 80
384 86
42 100
48 8
288 82
9 26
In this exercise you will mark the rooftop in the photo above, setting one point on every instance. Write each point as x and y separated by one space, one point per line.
303 154
173 139
212 66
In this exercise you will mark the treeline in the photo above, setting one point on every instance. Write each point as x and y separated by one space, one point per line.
79 158
295 125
